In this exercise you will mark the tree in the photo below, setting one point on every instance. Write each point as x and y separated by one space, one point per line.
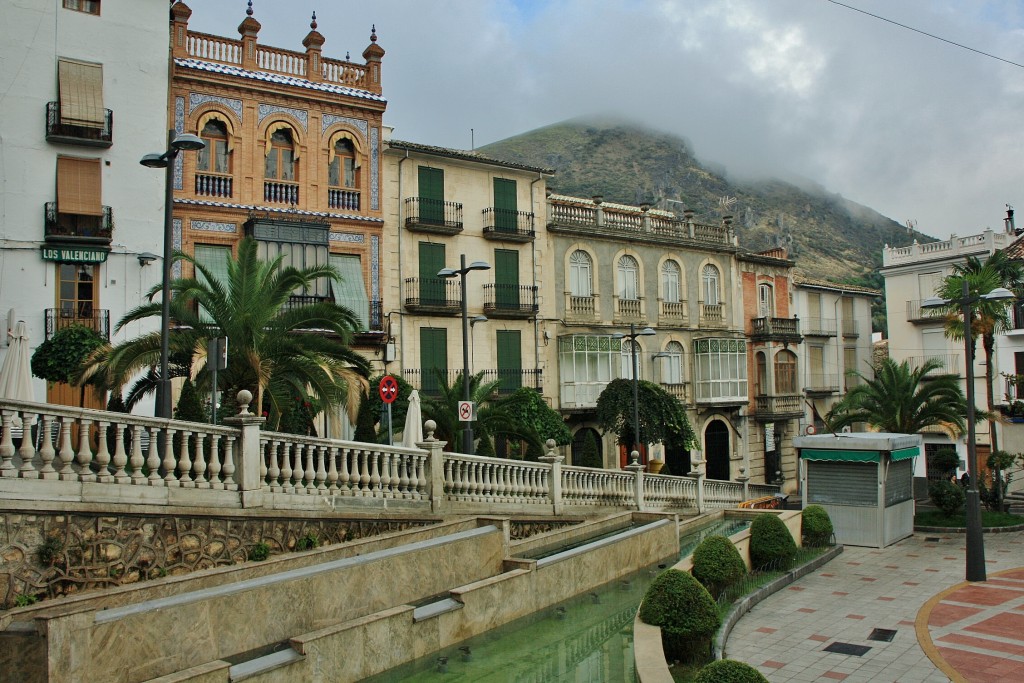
988 317
59 358
662 417
277 349
901 400
526 407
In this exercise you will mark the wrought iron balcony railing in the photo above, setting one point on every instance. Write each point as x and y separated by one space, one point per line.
510 301
432 295
62 227
819 327
917 314
96 319
73 134
433 215
508 225
430 380
514 378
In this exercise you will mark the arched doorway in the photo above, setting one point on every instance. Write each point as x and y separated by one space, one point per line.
716 450
586 448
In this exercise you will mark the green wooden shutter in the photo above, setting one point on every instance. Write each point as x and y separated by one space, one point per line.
505 205
350 292
431 286
433 358
510 360
506 278
431 195
214 259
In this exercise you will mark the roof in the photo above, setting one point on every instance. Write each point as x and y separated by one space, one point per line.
263 76
1016 249
801 280
274 209
764 258
465 155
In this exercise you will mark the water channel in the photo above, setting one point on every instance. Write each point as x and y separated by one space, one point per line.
586 638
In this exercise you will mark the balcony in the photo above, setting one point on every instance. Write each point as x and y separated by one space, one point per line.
432 295
580 397
96 319
822 384
921 316
510 301
433 216
678 389
584 216
785 330
73 134
712 315
508 226
512 379
280 192
819 327
950 363
214 185
628 311
296 300
344 200
851 329
772 408
672 313
429 381
580 308
77 228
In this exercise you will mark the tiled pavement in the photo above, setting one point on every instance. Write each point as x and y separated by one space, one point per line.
945 629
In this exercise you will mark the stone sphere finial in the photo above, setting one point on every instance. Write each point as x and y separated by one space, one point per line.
550 444
635 455
244 398
429 426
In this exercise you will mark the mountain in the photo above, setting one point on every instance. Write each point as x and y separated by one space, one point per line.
828 236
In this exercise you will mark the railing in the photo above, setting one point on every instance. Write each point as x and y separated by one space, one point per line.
214 48
775 328
819 327
514 378
347 200
432 293
986 242
510 300
677 389
96 319
630 222
573 214
345 73
48 452
628 308
582 306
915 313
65 226
280 192
581 394
950 363
820 383
767 406
429 380
423 214
851 328
712 314
58 131
214 185
673 310
281 61
297 300
583 213
1014 389
506 224
375 323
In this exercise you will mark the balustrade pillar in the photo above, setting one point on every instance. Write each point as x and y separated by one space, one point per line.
700 473
247 469
638 470
555 481
435 467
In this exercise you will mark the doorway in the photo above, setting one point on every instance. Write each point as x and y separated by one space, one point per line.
716 450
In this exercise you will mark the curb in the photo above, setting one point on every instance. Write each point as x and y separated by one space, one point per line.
743 606
963 530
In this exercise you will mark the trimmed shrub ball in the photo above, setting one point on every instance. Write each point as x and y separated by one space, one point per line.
817 526
946 496
685 611
717 564
771 545
729 671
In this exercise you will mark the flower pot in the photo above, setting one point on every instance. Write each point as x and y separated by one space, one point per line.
654 466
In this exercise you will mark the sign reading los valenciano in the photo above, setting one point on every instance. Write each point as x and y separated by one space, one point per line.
74 255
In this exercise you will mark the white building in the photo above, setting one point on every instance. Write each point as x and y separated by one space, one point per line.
84 98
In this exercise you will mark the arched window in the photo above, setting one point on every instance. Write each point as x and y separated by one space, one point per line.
765 301
785 372
672 364
280 163
341 172
628 278
580 274
709 279
761 379
214 158
627 359
671 280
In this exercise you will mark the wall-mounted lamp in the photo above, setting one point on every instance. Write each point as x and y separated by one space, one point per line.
145 258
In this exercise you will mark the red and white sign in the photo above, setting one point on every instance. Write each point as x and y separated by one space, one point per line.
466 411
388 389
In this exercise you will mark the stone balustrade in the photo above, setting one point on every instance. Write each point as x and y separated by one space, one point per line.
59 453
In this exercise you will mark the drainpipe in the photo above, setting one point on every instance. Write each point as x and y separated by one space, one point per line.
533 257
401 282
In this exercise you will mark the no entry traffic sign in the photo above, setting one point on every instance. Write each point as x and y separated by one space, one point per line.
388 389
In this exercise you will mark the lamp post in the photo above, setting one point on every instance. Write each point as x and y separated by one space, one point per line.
975 536
175 143
633 334
467 434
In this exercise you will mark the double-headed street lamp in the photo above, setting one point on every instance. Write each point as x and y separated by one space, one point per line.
175 143
633 334
975 537
467 434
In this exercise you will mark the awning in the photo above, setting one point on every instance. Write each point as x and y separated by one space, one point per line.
839 455
336 138
216 116
906 453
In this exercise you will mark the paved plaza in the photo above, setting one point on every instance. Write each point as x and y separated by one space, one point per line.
903 613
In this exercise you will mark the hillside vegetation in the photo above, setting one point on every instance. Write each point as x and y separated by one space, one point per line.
829 236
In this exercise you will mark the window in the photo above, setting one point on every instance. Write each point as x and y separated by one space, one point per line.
87 6
628 274
431 187
761 379
505 206
280 162
850 367
506 278
672 364
78 186
300 255
816 358
671 280
341 168
585 364
349 291
80 86
433 359
765 301
580 274
785 372
720 368
510 360
709 280
76 291
214 157
215 259
432 288
626 358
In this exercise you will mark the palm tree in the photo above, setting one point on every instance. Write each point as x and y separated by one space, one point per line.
902 400
989 317
276 350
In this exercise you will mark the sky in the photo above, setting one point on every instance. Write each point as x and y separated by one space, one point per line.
911 126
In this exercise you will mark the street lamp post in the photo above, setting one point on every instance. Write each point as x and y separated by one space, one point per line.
175 144
633 334
975 536
467 434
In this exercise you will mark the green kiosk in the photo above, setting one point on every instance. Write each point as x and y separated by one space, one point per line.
865 481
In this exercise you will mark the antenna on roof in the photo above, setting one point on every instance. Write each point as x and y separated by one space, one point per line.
911 224
472 140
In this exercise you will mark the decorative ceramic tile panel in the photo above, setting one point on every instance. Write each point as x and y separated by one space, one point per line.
195 99
375 267
374 190
213 226
179 128
300 115
328 120
347 237
176 244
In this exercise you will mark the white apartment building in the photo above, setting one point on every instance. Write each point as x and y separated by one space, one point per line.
84 86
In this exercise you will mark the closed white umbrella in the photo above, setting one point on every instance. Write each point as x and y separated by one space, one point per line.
413 432
16 375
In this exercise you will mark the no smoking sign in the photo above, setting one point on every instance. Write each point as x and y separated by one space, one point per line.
466 411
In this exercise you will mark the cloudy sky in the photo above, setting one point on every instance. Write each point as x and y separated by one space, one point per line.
909 125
